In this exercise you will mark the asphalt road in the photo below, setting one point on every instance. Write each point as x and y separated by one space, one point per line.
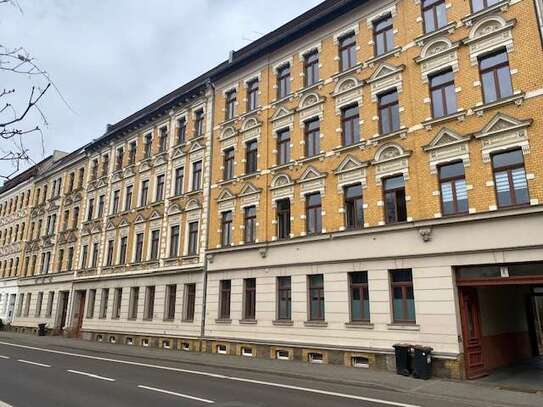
36 376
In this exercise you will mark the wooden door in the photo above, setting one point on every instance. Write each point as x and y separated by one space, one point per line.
80 312
471 333
64 308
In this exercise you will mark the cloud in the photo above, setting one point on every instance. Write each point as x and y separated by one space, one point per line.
111 58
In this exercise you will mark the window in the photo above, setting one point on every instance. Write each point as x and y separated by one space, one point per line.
128 198
190 302
139 248
84 256
148 145
171 295
90 303
50 301
159 188
283 147
452 183
181 130
283 81
224 300
316 297
389 112
395 207
250 224
90 209
443 94
94 261
20 305
230 108
434 13
252 94
134 298
75 218
383 35
101 203
71 182
174 241
283 219
104 302
510 179
196 175
70 258
109 257
360 300
495 76
284 300
228 172
251 156
149 308
350 125
117 299
122 251
354 209
313 213
144 192
199 123
193 239
120 158
249 303
105 165
39 302
179 174
226 230
27 304
403 300
115 205
478 5
311 68
59 262
163 139
155 238
312 138
347 52
132 153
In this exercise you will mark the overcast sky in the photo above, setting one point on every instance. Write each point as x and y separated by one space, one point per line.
111 58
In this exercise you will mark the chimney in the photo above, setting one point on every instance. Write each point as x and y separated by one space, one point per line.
231 57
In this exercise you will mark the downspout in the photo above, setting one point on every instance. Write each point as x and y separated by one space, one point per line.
208 210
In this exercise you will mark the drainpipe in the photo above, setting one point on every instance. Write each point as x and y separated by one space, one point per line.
208 210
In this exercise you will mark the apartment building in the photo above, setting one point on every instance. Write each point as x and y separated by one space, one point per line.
368 174
372 178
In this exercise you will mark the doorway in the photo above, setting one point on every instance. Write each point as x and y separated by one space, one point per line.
11 307
79 311
63 307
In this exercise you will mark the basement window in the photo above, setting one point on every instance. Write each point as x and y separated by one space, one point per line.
360 361
99 338
315 357
112 339
282 355
129 341
248 352
145 342
166 344
221 349
185 346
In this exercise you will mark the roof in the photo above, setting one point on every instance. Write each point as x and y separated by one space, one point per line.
310 20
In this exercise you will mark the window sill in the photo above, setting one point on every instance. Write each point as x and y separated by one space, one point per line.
169 320
382 57
147 319
359 325
282 166
402 133
195 192
223 321
354 69
403 327
283 322
246 176
460 116
229 121
516 99
315 324
311 87
190 256
286 98
256 110
187 321
354 146
471 18
312 158
422 39
248 322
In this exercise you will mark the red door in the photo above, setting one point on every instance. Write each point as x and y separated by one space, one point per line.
471 332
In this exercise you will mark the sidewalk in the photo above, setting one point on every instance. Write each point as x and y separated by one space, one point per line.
475 393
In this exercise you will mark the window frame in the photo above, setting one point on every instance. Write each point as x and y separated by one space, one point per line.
351 122
249 299
495 77
253 87
227 219
381 33
404 286
190 302
284 293
442 89
230 99
283 146
433 6
312 137
395 192
283 74
280 213
249 222
347 51
319 290
509 168
229 158
311 68
251 157
452 180
225 297
389 107
317 214
351 205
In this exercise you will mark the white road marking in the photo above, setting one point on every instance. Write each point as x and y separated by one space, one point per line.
94 376
214 375
176 394
4 357
2 404
32 363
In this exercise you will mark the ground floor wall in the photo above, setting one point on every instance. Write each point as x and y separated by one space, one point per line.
8 295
